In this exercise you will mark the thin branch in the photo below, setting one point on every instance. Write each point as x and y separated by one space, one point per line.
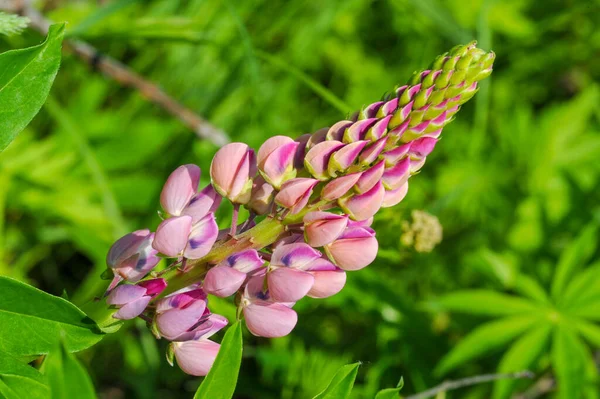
122 74
465 382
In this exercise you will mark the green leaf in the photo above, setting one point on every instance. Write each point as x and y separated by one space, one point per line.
391 393
569 363
19 380
583 288
26 76
527 286
484 302
574 257
66 376
590 310
31 321
589 331
341 385
484 339
521 355
222 378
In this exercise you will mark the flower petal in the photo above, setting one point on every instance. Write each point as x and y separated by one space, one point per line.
295 193
175 322
223 281
339 186
202 237
196 357
125 247
363 206
343 158
327 283
270 145
172 235
394 197
271 320
279 165
397 175
354 251
370 177
245 261
132 309
205 202
321 228
297 255
124 294
179 189
289 285
317 158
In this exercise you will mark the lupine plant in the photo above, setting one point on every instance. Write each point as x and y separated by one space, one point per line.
311 202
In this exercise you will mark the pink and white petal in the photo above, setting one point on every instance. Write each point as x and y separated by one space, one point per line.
242 177
132 309
345 156
179 189
202 237
245 261
205 202
289 285
353 253
298 255
322 232
397 175
125 247
270 320
293 191
225 166
124 294
370 154
422 147
301 150
370 177
327 283
175 322
394 197
196 357
363 206
317 158
223 281
339 186
279 165
172 235
270 145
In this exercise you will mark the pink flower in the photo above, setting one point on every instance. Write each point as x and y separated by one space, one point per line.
180 236
196 356
261 198
131 300
264 316
295 194
363 206
132 257
232 170
287 279
317 158
355 249
321 228
228 276
179 189
179 313
276 160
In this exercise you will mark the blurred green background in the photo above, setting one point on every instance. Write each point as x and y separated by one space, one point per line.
514 182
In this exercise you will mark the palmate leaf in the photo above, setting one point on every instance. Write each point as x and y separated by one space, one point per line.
66 377
221 380
483 302
574 257
18 380
484 339
342 383
589 331
584 287
521 355
568 361
32 321
26 76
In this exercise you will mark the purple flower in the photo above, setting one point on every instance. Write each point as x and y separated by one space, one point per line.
132 257
131 300
228 276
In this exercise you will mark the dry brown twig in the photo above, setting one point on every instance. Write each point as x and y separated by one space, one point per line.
122 74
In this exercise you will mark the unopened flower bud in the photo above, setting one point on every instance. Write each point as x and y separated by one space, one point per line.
131 300
132 256
321 228
232 170
355 249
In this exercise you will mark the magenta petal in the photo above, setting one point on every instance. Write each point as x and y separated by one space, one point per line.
132 309
355 251
298 255
422 147
175 322
317 158
295 193
327 283
394 197
317 137
231 169
358 130
206 201
301 150
279 165
343 158
202 237
370 111
270 145
172 235
393 156
179 189
125 247
124 294
154 287
136 267
223 281
397 175
363 206
336 132
370 154
269 320
289 285
209 325
370 177
339 186
180 299
321 228
196 357
379 129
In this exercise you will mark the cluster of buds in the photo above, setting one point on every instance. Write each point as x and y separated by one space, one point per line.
311 203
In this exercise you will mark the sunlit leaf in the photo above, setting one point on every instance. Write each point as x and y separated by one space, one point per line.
391 393
484 302
568 362
18 380
31 321
341 385
484 339
26 76
222 378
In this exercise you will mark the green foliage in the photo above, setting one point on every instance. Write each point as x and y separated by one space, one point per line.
221 380
67 378
18 380
11 24
341 384
25 79
32 320
391 393
535 322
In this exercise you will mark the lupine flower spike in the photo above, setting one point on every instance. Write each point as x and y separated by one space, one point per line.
311 202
